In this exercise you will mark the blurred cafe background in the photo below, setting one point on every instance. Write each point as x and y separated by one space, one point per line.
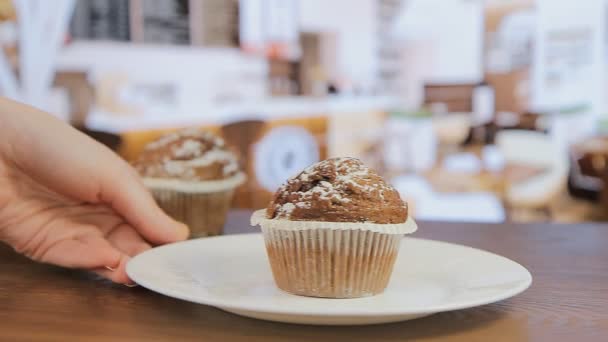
480 111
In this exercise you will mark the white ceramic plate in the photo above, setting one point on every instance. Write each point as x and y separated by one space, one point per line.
233 274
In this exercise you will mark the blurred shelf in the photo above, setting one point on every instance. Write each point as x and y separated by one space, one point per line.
269 109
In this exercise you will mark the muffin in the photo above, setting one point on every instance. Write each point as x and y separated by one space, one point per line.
192 175
334 231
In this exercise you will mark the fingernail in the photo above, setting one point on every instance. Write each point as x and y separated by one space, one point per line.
110 268
131 285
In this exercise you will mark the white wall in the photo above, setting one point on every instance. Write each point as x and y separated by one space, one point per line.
198 77
354 22
455 30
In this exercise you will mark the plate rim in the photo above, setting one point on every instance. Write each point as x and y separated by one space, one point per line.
214 302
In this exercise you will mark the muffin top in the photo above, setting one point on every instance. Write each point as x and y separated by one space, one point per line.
338 190
190 154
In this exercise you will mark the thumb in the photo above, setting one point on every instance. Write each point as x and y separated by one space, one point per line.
128 197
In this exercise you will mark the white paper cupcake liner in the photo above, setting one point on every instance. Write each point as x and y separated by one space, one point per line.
195 186
331 263
259 218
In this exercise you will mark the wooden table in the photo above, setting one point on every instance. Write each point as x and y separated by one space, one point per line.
568 300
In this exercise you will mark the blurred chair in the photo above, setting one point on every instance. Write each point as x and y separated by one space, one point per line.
529 150
241 135
456 97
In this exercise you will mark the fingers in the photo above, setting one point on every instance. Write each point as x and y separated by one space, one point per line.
130 243
106 257
127 240
88 251
130 199
117 273
93 253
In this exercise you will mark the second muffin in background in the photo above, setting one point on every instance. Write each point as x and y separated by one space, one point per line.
192 176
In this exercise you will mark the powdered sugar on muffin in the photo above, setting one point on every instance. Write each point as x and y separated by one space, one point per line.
338 190
190 154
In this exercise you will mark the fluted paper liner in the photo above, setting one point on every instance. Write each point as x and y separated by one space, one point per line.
195 186
328 259
202 206
331 263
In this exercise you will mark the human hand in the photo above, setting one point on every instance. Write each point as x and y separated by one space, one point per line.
69 201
